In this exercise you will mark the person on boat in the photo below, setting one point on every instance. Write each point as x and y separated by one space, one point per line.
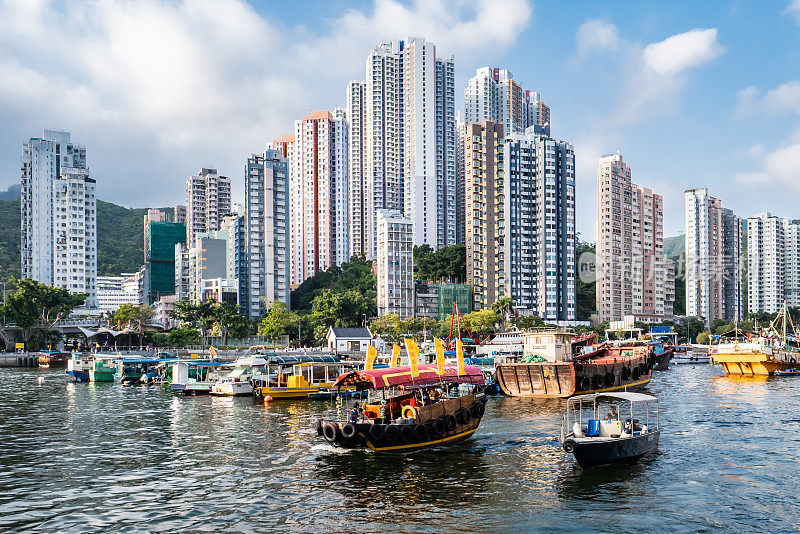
355 413
612 414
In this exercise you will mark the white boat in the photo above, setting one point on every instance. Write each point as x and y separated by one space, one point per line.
237 382
506 345
192 377
691 354
79 365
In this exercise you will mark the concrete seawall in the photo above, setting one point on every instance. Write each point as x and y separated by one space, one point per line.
24 359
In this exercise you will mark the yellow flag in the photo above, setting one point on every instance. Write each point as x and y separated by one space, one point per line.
395 356
460 357
372 353
413 356
439 355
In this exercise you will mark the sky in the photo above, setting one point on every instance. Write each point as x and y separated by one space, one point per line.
692 94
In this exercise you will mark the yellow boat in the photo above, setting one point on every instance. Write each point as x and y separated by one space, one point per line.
762 355
296 377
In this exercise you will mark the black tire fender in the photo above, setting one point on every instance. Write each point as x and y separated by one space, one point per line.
349 431
569 446
609 379
482 410
319 427
376 433
407 433
451 421
330 431
420 432
438 426
464 417
597 381
475 410
586 383
392 433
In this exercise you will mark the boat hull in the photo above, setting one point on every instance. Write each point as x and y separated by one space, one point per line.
232 389
79 376
101 376
663 359
564 379
611 451
365 437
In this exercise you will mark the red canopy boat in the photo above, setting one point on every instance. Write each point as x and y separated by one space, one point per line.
406 413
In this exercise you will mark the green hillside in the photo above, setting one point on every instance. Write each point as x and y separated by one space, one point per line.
674 246
120 238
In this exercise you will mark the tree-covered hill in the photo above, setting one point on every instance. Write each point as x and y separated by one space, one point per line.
120 238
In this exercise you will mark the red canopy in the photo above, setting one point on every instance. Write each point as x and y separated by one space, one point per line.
401 376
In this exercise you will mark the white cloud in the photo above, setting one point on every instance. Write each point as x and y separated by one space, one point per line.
793 9
780 168
595 35
683 51
783 99
171 85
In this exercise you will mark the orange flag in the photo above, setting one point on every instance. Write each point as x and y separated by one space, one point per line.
395 356
372 353
460 357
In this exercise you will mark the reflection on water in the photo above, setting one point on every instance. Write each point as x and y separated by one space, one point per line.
94 457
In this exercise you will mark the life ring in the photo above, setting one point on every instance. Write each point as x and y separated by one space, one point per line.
330 431
569 446
410 412
392 433
451 421
439 427
349 431
626 373
609 379
736 348
597 381
464 417
420 432
586 383
376 433
407 433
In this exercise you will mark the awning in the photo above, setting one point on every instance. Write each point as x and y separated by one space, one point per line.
401 376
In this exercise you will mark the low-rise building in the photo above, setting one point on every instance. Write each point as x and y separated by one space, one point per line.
348 339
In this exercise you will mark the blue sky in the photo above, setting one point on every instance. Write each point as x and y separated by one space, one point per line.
691 93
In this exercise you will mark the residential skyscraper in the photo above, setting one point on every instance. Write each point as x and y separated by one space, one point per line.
267 235
403 167
461 129
208 200
58 215
520 220
394 264
634 277
319 186
773 257
179 213
714 268
493 95
354 114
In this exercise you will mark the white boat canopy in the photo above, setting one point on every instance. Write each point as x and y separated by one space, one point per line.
621 395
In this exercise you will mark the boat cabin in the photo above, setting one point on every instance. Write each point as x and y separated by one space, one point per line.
547 345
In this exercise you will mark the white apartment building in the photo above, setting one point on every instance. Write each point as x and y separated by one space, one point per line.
493 95
58 215
354 114
633 277
112 292
714 267
208 200
773 257
394 264
267 232
409 139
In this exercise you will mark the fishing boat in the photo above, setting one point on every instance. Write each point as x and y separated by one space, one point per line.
406 413
788 372
297 377
552 369
79 365
776 349
197 377
627 431
53 358
103 367
136 371
237 381
690 354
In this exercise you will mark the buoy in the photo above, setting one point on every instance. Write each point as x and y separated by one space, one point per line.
268 398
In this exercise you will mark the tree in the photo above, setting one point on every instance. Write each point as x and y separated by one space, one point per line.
201 315
226 318
279 321
159 338
354 275
36 307
703 337
138 316
482 323
183 335
503 307
448 264
339 308
526 322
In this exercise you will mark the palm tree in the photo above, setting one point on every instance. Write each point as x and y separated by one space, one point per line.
503 307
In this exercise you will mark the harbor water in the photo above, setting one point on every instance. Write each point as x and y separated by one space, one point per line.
99 457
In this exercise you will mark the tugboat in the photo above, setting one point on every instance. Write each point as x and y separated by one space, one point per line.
552 369
404 413
595 441
53 358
